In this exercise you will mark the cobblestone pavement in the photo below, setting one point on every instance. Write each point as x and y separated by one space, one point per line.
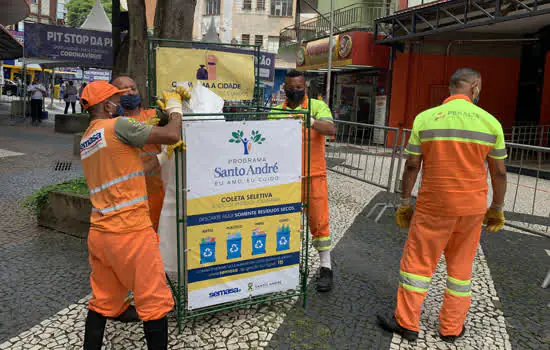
44 288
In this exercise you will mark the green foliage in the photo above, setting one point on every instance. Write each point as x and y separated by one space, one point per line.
78 10
255 138
37 200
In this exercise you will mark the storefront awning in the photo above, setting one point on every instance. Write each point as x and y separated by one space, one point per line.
13 11
445 18
10 48
350 50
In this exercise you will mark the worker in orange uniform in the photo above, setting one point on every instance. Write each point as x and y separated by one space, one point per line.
321 125
123 247
451 143
131 103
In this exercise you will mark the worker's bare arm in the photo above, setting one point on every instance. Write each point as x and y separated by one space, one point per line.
150 164
325 128
410 174
168 134
497 170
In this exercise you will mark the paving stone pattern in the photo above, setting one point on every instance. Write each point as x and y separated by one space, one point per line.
44 287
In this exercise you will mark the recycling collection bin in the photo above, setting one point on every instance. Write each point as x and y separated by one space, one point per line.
234 245
283 238
258 242
208 250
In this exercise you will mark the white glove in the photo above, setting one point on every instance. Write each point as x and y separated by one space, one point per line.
312 121
173 106
162 157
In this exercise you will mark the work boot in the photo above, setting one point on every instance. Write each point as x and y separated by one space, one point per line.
156 334
95 327
324 283
452 338
129 315
390 324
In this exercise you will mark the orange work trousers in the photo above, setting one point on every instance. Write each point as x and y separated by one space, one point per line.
429 237
156 200
128 261
318 212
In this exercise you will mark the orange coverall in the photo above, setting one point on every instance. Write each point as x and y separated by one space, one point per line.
123 248
454 141
318 196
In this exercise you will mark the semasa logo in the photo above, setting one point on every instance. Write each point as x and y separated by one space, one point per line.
224 292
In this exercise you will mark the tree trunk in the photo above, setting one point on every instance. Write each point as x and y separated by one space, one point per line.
175 19
137 52
120 66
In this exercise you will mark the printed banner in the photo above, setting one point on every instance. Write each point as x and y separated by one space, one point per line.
229 75
243 209
68 44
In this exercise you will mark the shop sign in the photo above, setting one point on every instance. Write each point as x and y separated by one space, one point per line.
314 55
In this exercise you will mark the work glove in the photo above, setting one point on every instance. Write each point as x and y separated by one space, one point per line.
154 120
494 219
168 151
404 213
173 100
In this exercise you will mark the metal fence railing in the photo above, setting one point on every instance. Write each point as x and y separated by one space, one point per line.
535 135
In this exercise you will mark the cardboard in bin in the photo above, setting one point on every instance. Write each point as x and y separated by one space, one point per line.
283 238
208 250
234 245
258 242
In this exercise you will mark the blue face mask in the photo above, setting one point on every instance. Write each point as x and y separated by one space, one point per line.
476 100
130 102
119 110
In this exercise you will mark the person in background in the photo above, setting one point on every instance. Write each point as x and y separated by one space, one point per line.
451 143
38 91
123 247
82 87
321 126
70 97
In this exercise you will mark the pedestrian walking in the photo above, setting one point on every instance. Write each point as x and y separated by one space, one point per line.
451 143
38 91
70 97
123 247
322 125
82 87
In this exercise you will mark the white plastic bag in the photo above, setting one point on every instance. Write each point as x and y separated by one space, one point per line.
202 100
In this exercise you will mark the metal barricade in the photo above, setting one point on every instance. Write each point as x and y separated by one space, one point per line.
366 153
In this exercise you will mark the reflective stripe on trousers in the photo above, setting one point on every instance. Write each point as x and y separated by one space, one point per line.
414 283
322 243
116 181
120 206
459 288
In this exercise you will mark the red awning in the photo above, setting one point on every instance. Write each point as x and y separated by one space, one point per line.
13 11
10 48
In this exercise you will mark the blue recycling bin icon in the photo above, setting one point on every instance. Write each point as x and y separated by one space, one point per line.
234 247
283 239
258 243
208 252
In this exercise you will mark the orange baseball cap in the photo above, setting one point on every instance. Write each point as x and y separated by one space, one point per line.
97 92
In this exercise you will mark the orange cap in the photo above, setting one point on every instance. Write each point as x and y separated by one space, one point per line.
97 92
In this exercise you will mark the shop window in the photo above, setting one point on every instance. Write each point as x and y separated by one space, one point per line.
260 4
273 44
281 8
247 5
212 8
245 39
259 40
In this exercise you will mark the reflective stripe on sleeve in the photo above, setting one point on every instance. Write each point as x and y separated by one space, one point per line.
498 153
120 206
148 154
413 149
116 181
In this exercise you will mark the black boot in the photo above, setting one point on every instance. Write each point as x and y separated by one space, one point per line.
95 327
156 333
452 338
390 324
324 283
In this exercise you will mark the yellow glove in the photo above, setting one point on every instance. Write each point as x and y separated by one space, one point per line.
154 120
180 146
494 219
173 99
403 216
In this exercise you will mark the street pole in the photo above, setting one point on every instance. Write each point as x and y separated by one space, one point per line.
51 106
330 44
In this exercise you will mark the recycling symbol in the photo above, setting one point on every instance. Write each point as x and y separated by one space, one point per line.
258 245
234 248
207 252
283 241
